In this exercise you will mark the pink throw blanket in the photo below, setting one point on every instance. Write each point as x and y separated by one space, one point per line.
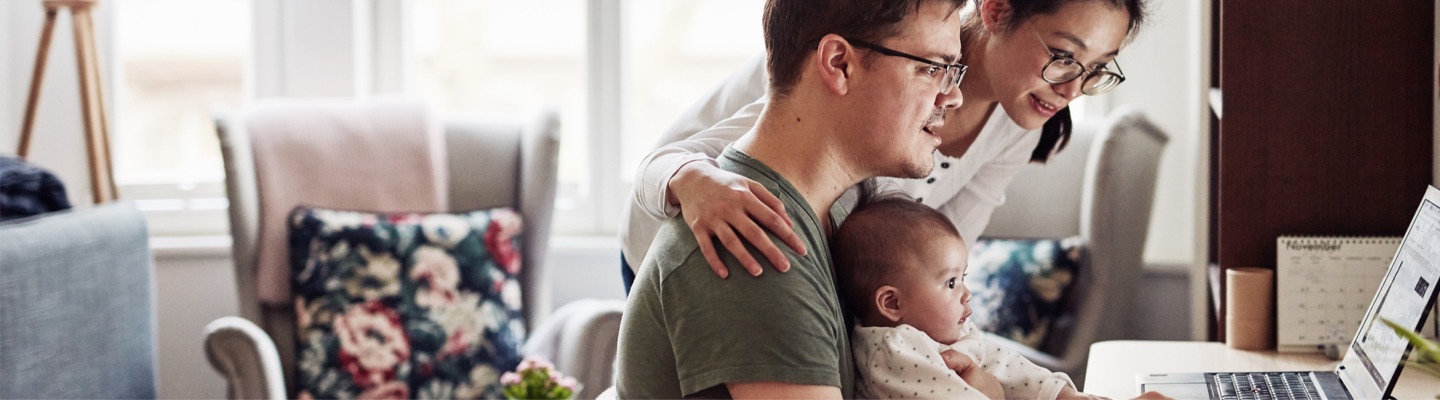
372 155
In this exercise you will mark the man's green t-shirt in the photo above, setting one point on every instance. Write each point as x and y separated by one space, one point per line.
686 332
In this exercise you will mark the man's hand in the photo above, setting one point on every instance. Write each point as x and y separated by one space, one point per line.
973 375
726 206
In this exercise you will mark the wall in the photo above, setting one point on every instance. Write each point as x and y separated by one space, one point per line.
193 287
1162 68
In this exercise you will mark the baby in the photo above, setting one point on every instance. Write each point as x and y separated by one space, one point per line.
901 268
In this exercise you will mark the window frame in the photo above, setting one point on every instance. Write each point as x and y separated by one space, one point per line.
373 42
184 208
591 210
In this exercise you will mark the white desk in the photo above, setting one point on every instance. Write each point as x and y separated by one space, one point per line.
1113 366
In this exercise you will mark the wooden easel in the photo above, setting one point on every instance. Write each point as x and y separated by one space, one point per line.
92 99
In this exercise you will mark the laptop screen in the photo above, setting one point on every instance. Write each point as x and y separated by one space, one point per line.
1404 297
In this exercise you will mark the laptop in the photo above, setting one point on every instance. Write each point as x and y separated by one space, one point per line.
1375 356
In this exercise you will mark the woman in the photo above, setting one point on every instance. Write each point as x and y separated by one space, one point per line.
1027 60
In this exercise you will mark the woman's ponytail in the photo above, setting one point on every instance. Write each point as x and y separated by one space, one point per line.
1053 136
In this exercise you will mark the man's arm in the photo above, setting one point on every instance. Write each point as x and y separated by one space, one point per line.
774 328
780 390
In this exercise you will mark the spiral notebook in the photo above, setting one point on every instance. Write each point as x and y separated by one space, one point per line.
1323 286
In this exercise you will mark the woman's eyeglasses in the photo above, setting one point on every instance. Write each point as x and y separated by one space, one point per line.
950 79
1061 69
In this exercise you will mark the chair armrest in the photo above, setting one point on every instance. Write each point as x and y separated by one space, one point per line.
246 357
580 338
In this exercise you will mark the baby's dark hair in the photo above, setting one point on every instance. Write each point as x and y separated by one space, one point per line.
870 247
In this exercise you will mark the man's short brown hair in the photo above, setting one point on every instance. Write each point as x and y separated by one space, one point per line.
794 27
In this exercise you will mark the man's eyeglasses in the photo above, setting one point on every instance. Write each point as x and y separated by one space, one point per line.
1061 69
950 79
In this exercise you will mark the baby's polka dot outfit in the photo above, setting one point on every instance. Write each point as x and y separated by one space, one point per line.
903 362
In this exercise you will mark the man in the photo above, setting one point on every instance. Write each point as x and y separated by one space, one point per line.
856 87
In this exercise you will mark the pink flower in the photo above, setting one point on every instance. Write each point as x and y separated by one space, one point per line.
504 225
568 382
459 341
372 343
532 362
510 378
441 275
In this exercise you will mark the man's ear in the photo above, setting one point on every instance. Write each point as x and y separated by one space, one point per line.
887 302
993 14
836 60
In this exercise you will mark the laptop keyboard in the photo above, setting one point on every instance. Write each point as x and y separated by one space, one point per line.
1265 385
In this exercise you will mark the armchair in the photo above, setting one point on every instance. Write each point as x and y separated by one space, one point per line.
489 163
1101 187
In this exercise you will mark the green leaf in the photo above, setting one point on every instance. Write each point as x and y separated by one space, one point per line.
1427 353
1424 349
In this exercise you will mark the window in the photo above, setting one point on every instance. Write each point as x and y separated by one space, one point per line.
618 75
618 71
175 61
676 51
510 57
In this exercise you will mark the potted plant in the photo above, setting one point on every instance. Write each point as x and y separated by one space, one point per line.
537 379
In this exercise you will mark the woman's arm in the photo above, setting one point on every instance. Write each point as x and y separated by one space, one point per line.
693 137
719 205
657 170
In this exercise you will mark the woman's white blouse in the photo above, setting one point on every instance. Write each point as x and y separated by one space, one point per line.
966 189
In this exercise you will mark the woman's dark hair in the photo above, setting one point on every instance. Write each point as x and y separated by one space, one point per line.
1024 10
1053 136
1056 132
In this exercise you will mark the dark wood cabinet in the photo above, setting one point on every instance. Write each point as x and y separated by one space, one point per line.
1327 125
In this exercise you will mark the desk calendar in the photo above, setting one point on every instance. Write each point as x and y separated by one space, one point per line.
1323 286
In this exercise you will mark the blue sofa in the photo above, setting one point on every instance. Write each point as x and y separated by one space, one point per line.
77 303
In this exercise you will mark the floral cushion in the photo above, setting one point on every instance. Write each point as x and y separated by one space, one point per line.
405 305
1018 286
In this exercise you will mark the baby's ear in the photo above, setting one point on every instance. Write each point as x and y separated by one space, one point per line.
887 302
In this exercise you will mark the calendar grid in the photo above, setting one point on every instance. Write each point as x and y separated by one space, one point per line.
1324 285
